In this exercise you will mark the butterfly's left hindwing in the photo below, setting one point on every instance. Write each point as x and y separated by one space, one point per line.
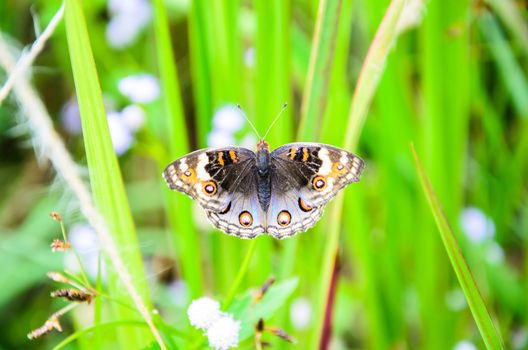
306 177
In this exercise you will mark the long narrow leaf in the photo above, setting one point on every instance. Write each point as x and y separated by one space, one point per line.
105 175
489 333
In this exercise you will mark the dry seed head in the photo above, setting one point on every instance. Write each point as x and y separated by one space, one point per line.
56 216
51 323
58 277
73 294
59 246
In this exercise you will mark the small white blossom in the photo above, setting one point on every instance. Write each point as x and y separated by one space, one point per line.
249 57
249 141
476 225
128 19
301 313
85 242
220 138
494 253
223 333
519 339
464 345
203 312
228 118
455 300
122 137
141 88
71 118
179 293
133 117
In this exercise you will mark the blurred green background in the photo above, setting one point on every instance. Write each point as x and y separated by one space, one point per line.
454 83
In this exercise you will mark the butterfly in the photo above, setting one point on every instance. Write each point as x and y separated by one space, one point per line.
246 193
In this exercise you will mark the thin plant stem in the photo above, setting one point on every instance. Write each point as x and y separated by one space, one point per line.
240 275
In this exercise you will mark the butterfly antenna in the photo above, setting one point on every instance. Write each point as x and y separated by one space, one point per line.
249 121
275 120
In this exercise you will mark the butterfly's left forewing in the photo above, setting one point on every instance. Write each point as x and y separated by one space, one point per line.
222 180
306 176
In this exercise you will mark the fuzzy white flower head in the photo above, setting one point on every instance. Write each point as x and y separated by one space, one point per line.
203 312
228 118
301 313
220 138
133 117
141 88
476 225
464 345
122 137
223 333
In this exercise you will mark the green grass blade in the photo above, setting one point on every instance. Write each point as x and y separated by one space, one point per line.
105 176
489 333
363 95
512 73
321 57
179 207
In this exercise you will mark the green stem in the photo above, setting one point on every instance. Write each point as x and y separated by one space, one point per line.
240 275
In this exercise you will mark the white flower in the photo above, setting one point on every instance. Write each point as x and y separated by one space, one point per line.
203 312
476 225
133 117
301 313
178 292
249 141
86 244
71 118
223 333
519 338
128 19
228 118
122 137
220 138
494 253
464 345
455 300
141 88
249 57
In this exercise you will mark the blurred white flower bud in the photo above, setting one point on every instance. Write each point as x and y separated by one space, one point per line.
224 333
203 312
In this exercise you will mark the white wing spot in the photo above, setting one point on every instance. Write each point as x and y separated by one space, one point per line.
344 158
200 167
183 164
326 166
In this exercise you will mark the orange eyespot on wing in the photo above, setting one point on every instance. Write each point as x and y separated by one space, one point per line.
245 218
319 183
338 168
209 188
304 207
284 218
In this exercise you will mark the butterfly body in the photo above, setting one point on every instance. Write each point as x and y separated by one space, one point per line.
246 193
